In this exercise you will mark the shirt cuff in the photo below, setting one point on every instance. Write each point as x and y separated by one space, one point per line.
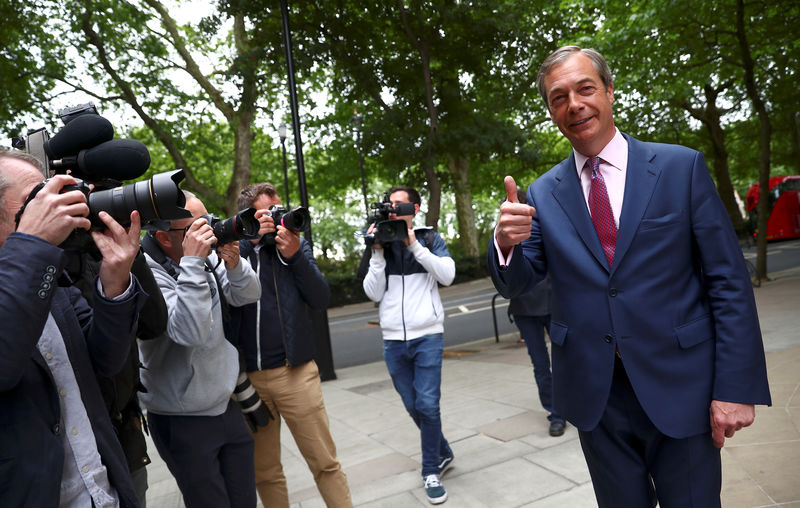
502 260
125 294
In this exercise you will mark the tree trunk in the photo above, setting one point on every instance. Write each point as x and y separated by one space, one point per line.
720 159
763 141
468 235
435 191
241 162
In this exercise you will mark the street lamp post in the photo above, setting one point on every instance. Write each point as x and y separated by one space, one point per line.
357 122
282 135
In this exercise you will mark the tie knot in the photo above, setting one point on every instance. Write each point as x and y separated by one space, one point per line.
593 163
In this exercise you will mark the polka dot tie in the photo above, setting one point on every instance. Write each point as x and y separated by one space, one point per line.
600 209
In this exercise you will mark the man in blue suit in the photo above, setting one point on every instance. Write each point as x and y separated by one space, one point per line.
57 444
656 348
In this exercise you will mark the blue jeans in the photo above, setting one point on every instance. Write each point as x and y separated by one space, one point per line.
416 369
532 330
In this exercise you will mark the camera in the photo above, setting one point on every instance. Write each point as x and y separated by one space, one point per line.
388 230
294 220
255 412
242 226
84 147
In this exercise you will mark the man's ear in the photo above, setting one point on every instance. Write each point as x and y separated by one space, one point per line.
163 238
416 208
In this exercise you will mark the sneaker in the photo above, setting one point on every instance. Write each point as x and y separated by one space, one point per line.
444 464
434 489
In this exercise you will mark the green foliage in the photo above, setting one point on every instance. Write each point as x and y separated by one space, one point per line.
446 92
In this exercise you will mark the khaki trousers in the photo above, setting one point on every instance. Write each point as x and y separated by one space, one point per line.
295 395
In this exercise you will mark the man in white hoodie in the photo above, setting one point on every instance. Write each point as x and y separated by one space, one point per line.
403 277
190 373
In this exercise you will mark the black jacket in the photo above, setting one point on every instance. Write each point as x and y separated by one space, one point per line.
119 391
290 290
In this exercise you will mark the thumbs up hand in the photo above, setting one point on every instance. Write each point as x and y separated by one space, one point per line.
514 225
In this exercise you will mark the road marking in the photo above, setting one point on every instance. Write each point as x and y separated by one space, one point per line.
463 309
464 312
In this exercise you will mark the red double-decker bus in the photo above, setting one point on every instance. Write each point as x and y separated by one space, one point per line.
784 207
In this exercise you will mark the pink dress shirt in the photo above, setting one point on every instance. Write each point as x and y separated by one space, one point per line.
614 168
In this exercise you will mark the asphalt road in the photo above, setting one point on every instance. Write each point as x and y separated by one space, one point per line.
356 338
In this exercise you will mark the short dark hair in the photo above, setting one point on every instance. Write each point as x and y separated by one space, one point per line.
564 52
249 194
413 195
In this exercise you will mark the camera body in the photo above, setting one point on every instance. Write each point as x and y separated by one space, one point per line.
242 226
388 230
294 220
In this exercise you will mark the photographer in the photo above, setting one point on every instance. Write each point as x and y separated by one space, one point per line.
277 341
58 445
191 371
403 277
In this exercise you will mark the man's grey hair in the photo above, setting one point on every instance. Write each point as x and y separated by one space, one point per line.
560 55
5 183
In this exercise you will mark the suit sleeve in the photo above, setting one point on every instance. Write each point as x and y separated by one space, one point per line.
740 367
109 327
28 262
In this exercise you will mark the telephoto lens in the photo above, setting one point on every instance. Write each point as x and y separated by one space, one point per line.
242 226
255 412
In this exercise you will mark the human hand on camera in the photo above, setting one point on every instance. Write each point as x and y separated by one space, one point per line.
199 239
53 215
411 238
266 221
118 248
230 254
287 241
514 224
371 231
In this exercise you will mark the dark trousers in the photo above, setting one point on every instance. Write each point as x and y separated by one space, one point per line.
532 328
211 457
632 464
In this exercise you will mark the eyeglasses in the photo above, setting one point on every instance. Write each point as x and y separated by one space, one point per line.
185 230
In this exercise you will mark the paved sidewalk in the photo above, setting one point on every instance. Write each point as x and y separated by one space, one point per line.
498 432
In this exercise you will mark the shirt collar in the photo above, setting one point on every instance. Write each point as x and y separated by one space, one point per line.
614 153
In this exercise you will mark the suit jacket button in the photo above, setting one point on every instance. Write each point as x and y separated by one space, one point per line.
56 429
612 292
50 269
608 338
42 294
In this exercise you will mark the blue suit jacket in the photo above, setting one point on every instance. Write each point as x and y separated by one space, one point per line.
677 303
31 447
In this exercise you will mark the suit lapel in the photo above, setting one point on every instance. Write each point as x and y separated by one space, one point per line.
569 194
640 182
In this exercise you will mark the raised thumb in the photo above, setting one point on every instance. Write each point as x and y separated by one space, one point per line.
511 189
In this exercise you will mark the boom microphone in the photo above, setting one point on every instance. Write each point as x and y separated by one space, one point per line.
82 132
118 159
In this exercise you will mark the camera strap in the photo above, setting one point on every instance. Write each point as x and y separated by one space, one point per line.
32 195
152 249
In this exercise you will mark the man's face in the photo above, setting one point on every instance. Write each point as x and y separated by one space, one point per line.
402 197
580 105
265 201
23 177
177 228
